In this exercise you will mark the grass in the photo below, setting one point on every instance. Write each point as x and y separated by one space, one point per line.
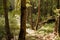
47 28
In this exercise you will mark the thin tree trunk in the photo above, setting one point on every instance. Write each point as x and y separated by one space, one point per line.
58 4
31 16
58 18
38 18
57 24
31 19
51 14
8 33
22 33
59 27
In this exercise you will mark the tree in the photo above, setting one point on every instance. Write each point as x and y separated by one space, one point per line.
58 18
32 25
8 33
38 18
57 23
58 4
31 19
59 26
22 33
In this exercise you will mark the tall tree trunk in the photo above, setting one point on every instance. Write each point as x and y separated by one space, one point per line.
58 18
51 14
58 4
22 33
31 15
8 33
57 27
38 18
31 19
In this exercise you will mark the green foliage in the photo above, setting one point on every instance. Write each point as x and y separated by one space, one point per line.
56 11
2 28
47 7
47 28
1 7
15 12
28 5
13 26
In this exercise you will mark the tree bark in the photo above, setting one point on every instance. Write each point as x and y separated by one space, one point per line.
22 33
31 15
58 4
8 33
58 18
59 27
38 18
56 25
31 19
51 12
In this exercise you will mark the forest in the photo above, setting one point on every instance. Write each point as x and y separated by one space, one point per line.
29 19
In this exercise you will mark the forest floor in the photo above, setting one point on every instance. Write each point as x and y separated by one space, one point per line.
44 33
40 36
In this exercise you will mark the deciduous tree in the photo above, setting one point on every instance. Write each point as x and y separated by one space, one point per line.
38 17
8 33
22 33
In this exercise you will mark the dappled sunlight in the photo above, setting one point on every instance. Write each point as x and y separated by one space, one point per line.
29 19
31 32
